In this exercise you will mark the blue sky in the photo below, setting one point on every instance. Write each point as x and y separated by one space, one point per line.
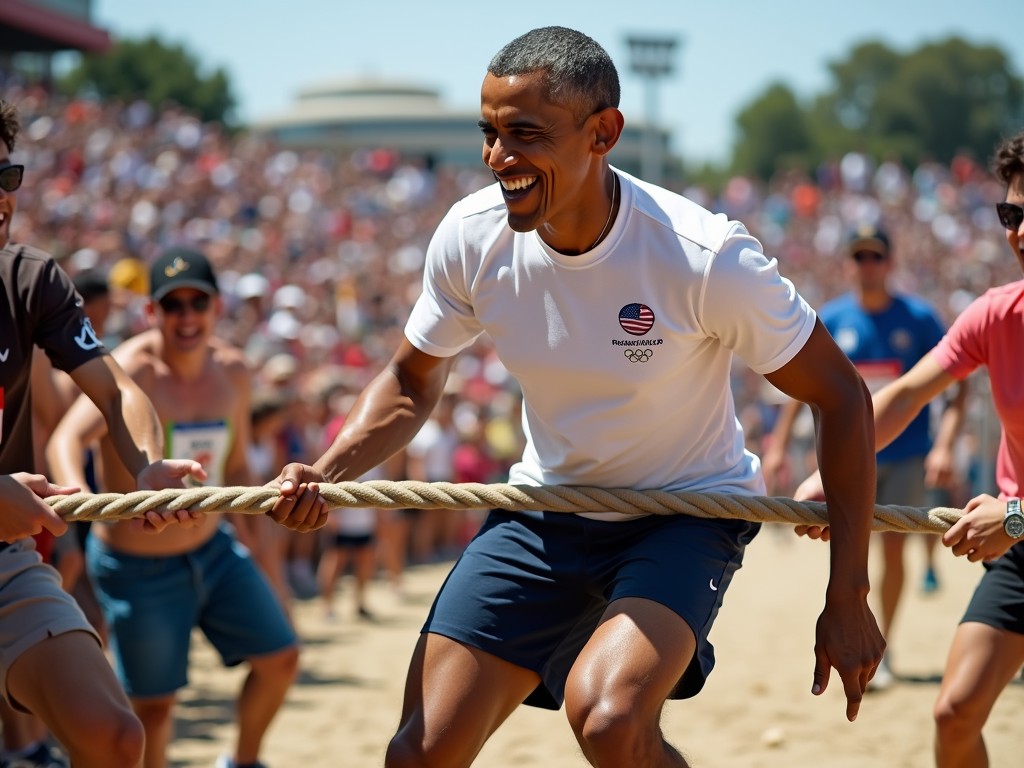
728 51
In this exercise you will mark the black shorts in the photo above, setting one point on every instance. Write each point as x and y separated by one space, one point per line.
531 586
998 599
352 540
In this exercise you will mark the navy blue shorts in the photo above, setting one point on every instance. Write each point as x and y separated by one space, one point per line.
352 540
532 586
998 599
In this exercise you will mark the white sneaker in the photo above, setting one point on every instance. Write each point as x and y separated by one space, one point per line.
883 678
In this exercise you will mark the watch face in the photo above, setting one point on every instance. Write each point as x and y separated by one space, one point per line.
1014 526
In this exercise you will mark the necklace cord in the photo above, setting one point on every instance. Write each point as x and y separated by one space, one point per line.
611 212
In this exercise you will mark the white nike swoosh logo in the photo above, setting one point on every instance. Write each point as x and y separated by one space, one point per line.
4 354
711 583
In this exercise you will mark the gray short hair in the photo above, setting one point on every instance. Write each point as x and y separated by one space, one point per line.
580 73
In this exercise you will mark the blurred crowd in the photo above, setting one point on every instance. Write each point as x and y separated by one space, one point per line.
947 245
320 255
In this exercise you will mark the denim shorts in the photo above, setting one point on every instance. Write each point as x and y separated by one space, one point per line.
152 603
532 586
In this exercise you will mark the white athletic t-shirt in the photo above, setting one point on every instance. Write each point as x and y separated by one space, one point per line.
623 353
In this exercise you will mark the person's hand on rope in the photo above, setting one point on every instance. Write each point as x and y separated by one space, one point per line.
23 512
811 490
300 506
978 534
169 473
847 638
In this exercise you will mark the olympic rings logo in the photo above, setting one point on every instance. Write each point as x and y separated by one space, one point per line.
638 355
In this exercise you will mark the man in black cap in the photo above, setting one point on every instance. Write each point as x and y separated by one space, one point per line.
885 333
154 590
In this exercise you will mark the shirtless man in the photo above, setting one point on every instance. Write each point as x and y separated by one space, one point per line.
147 585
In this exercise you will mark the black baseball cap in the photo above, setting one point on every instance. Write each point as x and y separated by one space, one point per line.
91 284
181 268
869 237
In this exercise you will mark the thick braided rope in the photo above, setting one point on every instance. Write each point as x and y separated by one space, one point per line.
416 495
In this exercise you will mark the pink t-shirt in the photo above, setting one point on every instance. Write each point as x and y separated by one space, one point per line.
990 332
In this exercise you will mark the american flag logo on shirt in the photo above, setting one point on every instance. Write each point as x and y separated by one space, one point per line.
636 319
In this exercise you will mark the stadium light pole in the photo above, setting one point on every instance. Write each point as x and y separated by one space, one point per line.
651 58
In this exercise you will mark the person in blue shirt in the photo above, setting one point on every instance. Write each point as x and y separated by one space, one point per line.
884 333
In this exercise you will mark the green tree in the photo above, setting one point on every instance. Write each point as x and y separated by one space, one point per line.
936 101
774 133
155 71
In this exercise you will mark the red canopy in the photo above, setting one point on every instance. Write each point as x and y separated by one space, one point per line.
26 26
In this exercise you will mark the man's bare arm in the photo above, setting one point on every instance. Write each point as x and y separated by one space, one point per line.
384 418
131 420
847 634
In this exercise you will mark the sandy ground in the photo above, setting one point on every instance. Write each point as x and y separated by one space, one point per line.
755 712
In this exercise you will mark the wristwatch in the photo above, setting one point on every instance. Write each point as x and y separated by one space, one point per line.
1013 522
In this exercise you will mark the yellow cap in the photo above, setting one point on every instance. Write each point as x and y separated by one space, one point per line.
130 274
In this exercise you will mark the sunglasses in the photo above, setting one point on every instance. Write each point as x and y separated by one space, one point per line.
861 256
1010 216
11 176
175 306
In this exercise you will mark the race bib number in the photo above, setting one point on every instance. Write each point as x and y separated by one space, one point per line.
205 442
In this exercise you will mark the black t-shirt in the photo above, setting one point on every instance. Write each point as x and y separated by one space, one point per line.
38 307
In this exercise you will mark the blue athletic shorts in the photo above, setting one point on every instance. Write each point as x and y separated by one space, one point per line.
998 599
151 605
531 586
